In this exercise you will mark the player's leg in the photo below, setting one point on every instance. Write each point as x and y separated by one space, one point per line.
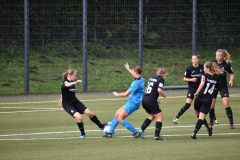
147 122
225 101
78 118
212 115
128 109
114 124
158 126
198 124
183 110
93 118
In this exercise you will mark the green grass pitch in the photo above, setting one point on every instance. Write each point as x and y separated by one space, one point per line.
41 130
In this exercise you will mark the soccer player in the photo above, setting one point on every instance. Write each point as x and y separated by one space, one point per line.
135 94
192 75
72 105
150 102
223 61
204 96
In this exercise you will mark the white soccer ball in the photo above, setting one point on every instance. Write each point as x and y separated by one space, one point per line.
106 129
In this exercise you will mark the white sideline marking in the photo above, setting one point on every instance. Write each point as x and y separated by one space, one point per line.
30 111
63 132
95 100
65 138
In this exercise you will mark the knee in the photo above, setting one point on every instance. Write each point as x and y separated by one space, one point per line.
78 118
89 113
120 119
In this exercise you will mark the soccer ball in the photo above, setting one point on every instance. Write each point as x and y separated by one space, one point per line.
106 129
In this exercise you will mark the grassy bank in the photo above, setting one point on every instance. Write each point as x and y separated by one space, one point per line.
105 67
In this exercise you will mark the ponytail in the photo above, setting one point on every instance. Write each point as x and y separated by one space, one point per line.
226 55
213 67
67 73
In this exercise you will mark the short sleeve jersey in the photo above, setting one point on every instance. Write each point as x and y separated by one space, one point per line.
68 93
136 90
194 72
153 85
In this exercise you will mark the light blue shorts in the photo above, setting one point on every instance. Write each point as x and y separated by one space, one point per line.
131 107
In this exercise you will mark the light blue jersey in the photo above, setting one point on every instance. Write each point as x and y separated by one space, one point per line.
136 94
136 90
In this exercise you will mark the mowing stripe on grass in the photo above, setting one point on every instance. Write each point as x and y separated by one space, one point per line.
64 132
96 100
66 138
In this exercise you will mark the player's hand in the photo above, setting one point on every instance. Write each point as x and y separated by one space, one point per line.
230 83
79 81
127 66
165 99
115 93
194 79
60 102
195 94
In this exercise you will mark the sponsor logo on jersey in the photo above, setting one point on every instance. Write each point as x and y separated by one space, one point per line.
72 90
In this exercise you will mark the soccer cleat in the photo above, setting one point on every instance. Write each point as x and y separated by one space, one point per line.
141 134
232 126
104 125
136 135
108 135
82 137
210 131
175 121
193 136
215 121
158 138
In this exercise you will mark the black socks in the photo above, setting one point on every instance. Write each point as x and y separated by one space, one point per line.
198 126
229 114
183 109
145 124
97 122
158 128
81 128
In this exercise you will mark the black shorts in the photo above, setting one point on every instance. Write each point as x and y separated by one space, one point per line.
223 89
72 108
202 104
190 93
150 105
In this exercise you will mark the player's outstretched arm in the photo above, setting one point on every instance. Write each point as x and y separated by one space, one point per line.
129 69
69 84
123 94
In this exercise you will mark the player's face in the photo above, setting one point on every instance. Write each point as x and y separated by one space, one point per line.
195 60
219 56
73 77
206 70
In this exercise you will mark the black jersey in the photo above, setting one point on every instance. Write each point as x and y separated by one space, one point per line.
68 93
226 67
194 72
153 85
211 81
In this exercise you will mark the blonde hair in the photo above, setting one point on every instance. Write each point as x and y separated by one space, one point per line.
68 72
213 67
226 55
162 72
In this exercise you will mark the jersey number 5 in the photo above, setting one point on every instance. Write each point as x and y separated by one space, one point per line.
149 87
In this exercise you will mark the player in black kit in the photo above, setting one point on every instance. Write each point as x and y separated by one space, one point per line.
204 96
150 102
223 61
192 75
72 105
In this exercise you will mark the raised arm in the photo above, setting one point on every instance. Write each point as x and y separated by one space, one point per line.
129 69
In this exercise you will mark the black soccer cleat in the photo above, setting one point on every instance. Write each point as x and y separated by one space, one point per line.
210 132
158 138
193 136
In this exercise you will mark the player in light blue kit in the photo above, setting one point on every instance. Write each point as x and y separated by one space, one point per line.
135 94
